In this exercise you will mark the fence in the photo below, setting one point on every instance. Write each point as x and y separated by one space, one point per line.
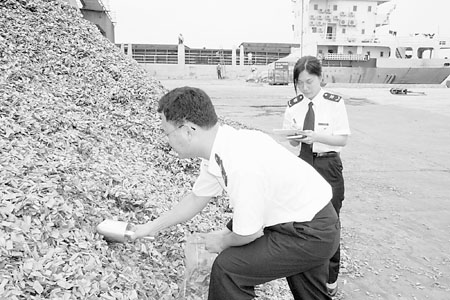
168 54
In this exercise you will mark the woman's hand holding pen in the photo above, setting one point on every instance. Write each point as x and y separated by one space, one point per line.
308 137
304 136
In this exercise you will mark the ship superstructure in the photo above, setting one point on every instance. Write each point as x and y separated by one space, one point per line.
356 43
334 28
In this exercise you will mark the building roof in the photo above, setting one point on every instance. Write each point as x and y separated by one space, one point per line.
268 47
248 47
156 46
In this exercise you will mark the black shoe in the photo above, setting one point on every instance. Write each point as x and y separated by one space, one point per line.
332 291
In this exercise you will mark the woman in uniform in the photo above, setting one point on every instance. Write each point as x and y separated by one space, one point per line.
321 118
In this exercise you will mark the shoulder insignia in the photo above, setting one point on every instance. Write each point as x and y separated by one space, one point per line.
332 97
295 100
222 169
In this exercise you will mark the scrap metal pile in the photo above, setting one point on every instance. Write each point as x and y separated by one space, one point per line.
79 143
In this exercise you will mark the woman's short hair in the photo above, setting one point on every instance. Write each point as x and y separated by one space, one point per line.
188 104
310 64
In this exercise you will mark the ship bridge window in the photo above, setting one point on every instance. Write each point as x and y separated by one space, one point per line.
369 8
335 7
316 6
408 54
355 8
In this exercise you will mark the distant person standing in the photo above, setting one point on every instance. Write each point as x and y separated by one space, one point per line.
322 118
180 39
219 71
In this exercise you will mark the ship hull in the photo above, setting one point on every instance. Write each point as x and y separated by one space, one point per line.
388 71
385 75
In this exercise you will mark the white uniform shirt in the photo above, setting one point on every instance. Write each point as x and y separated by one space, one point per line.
266 183
330 117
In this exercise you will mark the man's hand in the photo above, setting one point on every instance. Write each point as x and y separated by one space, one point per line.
141 232
214 241
218 241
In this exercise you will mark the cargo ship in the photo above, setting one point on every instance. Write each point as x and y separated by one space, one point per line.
356 43
353 38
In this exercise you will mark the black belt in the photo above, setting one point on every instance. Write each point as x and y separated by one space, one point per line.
326 154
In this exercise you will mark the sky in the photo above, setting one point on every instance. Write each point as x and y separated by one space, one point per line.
228 23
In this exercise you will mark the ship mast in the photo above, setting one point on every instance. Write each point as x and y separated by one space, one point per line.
302 28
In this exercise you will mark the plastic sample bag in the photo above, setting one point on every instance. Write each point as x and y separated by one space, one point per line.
198 263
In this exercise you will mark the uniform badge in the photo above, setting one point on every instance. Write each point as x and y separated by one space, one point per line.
332 97
295 100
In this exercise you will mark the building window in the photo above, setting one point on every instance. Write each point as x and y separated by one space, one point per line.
369 8
355 8
316 6
335 7
314 29
381 53
343 30
363 31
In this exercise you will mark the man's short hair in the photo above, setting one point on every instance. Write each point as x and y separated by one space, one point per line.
188 104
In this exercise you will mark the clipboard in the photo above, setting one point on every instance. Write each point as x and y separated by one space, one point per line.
291 133
296 137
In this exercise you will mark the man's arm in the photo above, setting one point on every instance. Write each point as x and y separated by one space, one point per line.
221 240
185 210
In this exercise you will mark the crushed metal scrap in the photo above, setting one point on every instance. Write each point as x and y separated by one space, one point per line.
79 143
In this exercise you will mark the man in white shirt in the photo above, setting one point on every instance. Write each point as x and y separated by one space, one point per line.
283 222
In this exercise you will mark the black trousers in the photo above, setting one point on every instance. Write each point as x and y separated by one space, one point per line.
299 251
331 170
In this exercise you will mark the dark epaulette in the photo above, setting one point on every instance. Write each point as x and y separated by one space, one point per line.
295 100
332 97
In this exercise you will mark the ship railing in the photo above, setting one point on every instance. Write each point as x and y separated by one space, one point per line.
419 40
329 37
337 56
